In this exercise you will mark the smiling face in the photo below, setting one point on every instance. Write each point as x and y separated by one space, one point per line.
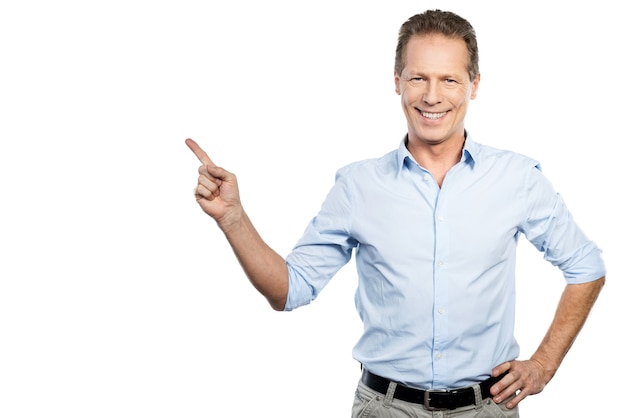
435 89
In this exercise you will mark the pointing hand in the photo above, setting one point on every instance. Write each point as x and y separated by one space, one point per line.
217 192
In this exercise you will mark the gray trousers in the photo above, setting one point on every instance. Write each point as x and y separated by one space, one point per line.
371 404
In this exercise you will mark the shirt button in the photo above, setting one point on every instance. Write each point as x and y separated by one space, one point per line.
440 218
426 177
440 263
441 310
439 356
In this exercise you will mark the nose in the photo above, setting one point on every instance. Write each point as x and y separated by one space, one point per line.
432 95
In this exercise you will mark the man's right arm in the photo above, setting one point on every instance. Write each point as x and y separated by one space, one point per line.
217 193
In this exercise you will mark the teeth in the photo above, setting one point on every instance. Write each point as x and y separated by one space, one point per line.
433 116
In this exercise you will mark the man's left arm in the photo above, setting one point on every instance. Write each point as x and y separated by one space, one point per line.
529 377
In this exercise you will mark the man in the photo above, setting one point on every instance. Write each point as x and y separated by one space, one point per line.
434 226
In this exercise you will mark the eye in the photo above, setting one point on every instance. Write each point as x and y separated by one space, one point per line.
415 81
450 81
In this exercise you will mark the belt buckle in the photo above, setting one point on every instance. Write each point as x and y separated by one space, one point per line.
427 404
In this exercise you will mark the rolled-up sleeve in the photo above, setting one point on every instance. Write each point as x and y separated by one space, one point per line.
551 228
324 248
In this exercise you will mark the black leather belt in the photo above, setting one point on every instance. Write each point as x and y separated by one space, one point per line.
431 399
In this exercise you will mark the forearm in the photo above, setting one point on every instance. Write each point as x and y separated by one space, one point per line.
572 312
528 377
265 268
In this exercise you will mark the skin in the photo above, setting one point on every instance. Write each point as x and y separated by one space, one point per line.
217 193
435 82
529 377
435 91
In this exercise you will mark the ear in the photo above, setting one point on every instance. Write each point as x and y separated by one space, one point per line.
475 86
396 79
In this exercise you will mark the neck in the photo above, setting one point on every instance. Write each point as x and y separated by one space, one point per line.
438 158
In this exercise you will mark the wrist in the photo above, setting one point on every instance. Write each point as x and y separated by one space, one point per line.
547 369
233 222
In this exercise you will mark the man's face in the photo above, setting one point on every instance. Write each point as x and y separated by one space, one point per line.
435 88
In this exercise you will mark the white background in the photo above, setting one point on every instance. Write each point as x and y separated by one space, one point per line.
120 298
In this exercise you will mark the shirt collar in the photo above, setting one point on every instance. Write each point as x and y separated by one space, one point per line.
470 152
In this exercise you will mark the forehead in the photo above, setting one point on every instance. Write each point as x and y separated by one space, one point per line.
436 53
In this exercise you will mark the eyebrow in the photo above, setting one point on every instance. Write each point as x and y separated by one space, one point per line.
443 75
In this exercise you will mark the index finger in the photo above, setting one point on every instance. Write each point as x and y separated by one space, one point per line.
199 152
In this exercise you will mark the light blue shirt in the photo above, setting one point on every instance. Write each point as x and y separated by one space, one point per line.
436 266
